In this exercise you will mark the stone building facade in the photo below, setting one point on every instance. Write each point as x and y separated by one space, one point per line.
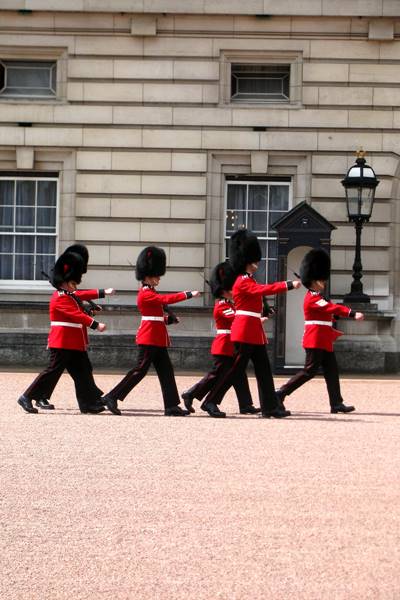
153 111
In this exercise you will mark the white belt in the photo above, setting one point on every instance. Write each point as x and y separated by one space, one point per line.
247 313
327 323
65 324
153 319
223 331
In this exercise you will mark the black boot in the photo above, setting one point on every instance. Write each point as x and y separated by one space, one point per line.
44 403
176 411
342 408
276 413
213 410
111 404
26 404
249 410
188 401
280 396
92 409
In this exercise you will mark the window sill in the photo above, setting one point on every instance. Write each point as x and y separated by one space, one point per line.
264 105
26 287
34 101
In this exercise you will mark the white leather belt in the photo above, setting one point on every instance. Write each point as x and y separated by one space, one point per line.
327 323
223 331
153 319
247 313
65 324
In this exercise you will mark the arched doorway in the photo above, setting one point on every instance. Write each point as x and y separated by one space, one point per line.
294 353
298 230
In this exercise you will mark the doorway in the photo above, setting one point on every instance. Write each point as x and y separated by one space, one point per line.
294 353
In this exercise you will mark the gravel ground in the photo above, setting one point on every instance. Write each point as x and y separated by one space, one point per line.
145 507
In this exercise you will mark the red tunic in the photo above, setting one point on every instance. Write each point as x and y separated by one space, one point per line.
153 329
224 313
68 322
247 295
318 317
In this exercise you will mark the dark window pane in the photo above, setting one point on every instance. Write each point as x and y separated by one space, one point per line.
272 270
234 220
258 83
272 248
47 193
46 244
6 266
236 197
43 263
279 197
26 193
46 219
29 78
258 222
7 192
260 273
6 218
24 266
24 244
263 246
6 243
258 197
24 219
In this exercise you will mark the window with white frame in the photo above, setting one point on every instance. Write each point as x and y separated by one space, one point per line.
257 205
28 227
28 79
260 83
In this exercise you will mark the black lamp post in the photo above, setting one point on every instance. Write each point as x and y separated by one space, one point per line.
360 184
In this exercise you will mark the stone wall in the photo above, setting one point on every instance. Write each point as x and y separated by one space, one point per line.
143 132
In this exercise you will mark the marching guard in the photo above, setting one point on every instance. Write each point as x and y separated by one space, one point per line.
319 333
68 338
152 336
247 331
222 349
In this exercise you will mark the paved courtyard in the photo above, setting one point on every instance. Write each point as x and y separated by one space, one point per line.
145 507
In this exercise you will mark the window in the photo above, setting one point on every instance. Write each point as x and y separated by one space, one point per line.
28 227
260 83
261 77
256 206
28 79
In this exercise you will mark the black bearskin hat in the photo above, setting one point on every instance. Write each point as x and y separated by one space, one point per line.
222 279
243 249
82 251
315 266
151 262
69 267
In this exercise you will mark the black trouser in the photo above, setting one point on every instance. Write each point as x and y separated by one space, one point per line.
53 373
259 357
316 358
148 355
222 364
78 365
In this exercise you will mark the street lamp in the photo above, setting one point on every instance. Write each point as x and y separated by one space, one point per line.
359 184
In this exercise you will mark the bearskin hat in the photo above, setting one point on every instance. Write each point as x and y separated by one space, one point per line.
222 279
82 251
151 262
316 265
69 267
244 248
